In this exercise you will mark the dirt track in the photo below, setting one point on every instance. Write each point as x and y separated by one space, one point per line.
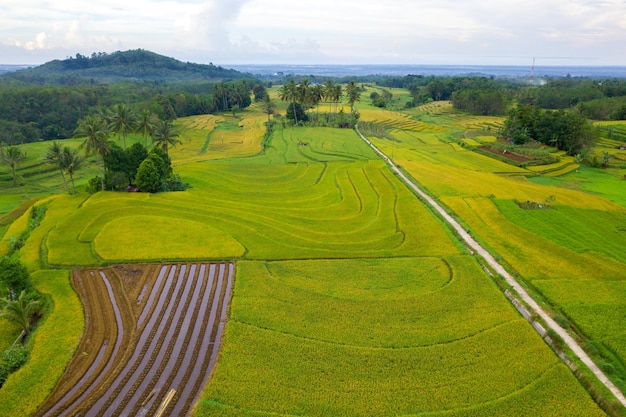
151 340
521 292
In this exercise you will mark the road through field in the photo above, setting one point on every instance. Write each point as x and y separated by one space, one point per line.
523 294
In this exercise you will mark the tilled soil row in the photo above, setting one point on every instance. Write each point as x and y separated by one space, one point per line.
150 344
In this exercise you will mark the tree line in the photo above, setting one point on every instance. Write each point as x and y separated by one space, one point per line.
304 96
33 113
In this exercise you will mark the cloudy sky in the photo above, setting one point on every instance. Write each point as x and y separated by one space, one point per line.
556 32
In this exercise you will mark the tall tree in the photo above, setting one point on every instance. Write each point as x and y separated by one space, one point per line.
268 107
13 157
145 125
54 157
71 162
353 93
165 135
123 121
289 93
96 141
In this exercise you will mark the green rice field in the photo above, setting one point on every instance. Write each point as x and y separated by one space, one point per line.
351 298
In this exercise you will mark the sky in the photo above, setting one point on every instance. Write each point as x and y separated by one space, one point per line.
464 32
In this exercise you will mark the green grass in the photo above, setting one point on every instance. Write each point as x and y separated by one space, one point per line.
607 183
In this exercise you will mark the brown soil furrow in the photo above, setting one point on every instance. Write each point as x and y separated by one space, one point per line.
149 361
100 330
151 332
167 359
193 318
194 357
200 374
118 343
114 388
155 290
178 379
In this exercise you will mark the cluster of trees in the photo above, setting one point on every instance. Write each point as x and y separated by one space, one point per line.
481 102
120 167
381 99
565 130
304 96
33 113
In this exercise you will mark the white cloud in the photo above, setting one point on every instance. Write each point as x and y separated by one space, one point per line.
363 31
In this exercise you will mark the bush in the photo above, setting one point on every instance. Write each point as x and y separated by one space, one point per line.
14 275
12 359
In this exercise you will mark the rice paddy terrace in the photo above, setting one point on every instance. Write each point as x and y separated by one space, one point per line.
347 295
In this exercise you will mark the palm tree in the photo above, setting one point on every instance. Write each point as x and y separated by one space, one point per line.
289 93
21 311
165 135
13 157
337 94
96 141
54 157
353 93
268 107
222 91
315 95
146 125
123 121
71 161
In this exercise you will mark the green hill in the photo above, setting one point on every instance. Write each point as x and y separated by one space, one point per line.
119 66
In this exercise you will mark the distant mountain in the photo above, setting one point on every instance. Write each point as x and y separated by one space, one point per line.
8 68
133 65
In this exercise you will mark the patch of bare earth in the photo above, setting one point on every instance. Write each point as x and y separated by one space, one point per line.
151 340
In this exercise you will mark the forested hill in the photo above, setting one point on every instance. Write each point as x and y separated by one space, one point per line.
131 65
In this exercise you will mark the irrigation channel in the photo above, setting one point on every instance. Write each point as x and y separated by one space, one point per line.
151 340
522 293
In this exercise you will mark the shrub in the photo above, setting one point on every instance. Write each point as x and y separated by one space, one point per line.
12 359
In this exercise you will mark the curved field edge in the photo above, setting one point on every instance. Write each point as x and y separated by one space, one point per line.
271 366
54 345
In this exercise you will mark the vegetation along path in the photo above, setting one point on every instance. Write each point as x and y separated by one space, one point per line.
474 245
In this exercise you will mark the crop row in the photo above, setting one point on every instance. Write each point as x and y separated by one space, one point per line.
349 209
181 322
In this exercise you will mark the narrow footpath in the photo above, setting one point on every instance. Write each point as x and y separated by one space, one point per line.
534 306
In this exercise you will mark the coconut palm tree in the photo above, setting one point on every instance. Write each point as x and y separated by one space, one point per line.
13 157
289 93
71 162
353 93
21 311
123 121
96 141
165 135
268 107
145 125
53 156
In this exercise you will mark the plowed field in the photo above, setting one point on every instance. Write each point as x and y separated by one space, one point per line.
151 340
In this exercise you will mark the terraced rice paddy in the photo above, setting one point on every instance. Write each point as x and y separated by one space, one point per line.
143 352
382 337
350 297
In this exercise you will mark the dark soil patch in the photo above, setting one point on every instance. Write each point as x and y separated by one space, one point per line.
508 155
151 339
